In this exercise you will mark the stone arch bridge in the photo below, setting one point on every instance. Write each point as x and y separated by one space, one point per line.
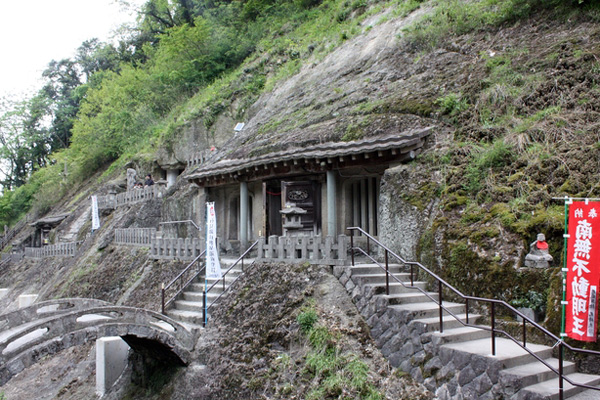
29 334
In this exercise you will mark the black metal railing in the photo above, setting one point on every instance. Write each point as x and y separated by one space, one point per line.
187 271
493 303
206 307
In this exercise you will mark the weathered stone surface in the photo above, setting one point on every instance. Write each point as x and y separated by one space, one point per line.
447 371
433 365
466 376
419 357
482 384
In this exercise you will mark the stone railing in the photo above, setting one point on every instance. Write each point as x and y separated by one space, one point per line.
314 249
54 250
199 158
107 202
137 195
135 236
171 248
160 248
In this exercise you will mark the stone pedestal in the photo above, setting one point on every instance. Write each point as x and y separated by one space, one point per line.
111 360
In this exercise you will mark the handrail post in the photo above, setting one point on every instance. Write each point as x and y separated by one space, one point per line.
441 310
560 371
162 295
412 279
368 245
204 307
467 309
387 274
524 333
352 245
493 328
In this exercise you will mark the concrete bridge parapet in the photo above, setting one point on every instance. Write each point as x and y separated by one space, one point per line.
147 332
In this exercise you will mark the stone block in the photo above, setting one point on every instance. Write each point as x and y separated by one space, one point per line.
349 286
338 271
407 350
344 279
482 384
466 375
111 360
442 393
493 371
25 300
405 365
446 372
430 384
3 292
446 355
461 359
372 320
391 346
417 374
396 359
418 357
433 365
479 364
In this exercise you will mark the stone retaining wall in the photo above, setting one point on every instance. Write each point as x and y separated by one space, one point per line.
407 345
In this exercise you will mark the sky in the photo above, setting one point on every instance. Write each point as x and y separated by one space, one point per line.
35 32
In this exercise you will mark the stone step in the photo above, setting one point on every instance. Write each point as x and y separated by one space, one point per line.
366 269
396 287
197 296
185 305
460 334
548 390
189 317
378 278
587 394
429 309
507 351
414 296
532 373
433 323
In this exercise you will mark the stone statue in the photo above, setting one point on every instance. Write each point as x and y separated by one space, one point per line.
538 256
131 178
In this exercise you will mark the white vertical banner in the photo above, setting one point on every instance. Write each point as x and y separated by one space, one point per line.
95 217
213 266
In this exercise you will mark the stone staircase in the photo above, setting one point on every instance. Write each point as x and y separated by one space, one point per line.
189 307
455 364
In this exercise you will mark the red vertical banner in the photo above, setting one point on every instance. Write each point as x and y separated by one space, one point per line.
583 271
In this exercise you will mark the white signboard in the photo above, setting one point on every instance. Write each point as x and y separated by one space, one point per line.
213 266
95 218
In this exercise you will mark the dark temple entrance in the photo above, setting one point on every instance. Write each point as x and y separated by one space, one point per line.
304 194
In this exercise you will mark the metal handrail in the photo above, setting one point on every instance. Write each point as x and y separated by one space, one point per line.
493 302
164 287
206 306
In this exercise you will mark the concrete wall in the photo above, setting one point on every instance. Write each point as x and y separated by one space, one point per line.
111 360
